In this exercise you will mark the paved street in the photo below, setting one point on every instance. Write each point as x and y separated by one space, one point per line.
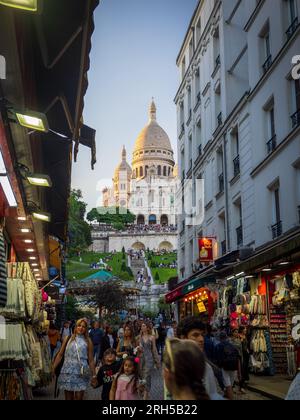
156 392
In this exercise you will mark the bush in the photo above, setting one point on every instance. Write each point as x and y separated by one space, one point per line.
123 266
118 226
153 264
123 250
124 275
129 271
157 278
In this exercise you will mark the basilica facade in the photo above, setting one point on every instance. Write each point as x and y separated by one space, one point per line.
147 187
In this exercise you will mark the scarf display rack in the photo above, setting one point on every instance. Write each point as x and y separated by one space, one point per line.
25 360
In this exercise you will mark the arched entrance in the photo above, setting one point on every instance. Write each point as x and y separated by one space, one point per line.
152 219
140 219
166 245
138 246
164 221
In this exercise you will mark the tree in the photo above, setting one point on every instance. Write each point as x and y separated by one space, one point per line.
110 296
111 215
79 230
164 307
157 277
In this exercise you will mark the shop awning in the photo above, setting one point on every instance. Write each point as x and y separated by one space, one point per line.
275 251
174 295
197 284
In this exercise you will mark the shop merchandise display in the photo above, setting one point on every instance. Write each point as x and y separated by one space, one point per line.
26 341
3 274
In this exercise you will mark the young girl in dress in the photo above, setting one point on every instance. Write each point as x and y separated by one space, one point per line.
126 385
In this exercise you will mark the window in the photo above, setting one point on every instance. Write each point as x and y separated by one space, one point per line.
141 171
236 152
295 103
165 171
159 170
239 223
198 31
292 17
266 47
222 236
183 69
276 225
220 168
216 46
191 49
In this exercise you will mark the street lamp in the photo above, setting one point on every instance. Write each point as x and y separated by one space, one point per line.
42 216
29 5
39 180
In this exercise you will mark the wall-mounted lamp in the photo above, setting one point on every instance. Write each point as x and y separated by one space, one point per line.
39 180
29 5
37 214
33 120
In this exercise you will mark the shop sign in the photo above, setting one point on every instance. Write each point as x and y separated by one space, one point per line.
205 249
197 284
2 68
296 328
201 307
172 296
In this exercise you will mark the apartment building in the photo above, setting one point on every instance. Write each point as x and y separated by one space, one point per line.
238 111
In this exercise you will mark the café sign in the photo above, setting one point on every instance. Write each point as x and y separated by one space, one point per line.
205 249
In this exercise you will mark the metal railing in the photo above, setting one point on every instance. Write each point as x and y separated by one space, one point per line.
221 183
271 145
277 230
267 64
296 119
189 118
200 150
292 28
220 119
218 61
236 166
239 235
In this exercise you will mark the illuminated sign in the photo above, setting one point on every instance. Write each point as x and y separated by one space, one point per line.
205 249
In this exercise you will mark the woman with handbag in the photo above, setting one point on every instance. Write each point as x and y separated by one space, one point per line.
78 364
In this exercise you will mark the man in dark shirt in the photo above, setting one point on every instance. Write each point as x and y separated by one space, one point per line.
107 373
96 335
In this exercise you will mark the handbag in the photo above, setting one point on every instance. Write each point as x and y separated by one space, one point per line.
84 371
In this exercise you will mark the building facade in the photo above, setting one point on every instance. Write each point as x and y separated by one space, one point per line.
238 113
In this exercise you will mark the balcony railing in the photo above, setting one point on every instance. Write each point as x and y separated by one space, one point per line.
189 118
221 183
239 236
271 145
218 61
292 28
236 166
267 64
296 119
277 230
223 247
200 150
220 119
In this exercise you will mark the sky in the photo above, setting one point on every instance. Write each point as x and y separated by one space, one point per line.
133 58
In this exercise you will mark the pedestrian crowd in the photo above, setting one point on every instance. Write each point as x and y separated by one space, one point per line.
198 362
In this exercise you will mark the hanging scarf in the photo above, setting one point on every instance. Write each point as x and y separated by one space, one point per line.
3 273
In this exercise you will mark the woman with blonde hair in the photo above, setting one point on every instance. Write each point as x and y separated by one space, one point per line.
79 365
184 370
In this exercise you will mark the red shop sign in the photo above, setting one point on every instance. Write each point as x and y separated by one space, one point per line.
205 249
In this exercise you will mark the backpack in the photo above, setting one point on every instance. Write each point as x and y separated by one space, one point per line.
230 357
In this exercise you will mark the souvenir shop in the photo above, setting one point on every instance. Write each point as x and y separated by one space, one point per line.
267 306
25 361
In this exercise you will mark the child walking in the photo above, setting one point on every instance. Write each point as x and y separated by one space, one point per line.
126 385
107 373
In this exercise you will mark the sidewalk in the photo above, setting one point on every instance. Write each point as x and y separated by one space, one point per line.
273 387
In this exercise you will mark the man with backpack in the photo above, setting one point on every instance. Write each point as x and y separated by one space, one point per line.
227 358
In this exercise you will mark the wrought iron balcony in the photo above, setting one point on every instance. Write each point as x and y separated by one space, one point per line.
223 247
236 166
200 150
220 119
271 145
239 236
221 183
267 64
296 119
277 230
292 28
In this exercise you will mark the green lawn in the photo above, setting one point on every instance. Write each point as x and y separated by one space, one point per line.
164 273
81 270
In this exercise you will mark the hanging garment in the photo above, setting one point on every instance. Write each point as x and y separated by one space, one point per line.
3 273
